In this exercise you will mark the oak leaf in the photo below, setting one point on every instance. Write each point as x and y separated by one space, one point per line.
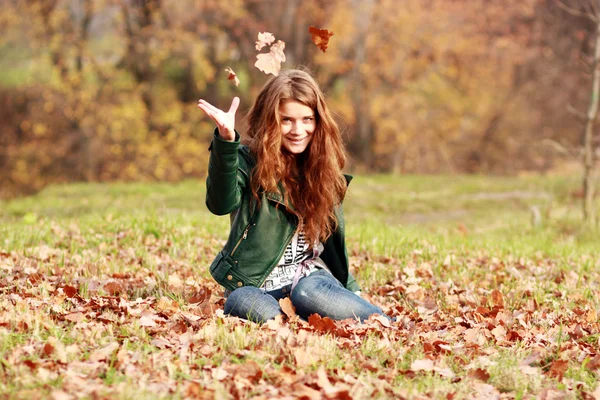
264 39
232 76
320 37
270 63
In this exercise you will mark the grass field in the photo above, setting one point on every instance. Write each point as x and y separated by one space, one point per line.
494 283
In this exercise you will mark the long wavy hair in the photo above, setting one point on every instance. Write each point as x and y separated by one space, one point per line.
312 183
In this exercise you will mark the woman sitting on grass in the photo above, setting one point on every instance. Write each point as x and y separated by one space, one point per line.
283 192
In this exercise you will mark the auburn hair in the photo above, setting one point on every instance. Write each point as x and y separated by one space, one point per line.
311 183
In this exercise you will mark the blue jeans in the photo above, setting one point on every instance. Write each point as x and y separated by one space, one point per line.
319 293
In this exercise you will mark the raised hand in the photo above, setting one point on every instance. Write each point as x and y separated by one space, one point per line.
225 120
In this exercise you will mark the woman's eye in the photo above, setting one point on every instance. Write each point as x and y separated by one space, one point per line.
309 119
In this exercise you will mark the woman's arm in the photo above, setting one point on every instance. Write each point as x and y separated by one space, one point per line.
225 182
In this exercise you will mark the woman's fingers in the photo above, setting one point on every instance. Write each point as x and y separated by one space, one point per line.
235 103
208 106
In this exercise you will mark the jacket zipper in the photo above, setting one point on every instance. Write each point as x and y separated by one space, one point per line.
244 237
287 243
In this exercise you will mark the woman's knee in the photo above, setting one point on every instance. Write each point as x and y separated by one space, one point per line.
238 295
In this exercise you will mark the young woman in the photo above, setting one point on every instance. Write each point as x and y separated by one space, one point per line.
283 192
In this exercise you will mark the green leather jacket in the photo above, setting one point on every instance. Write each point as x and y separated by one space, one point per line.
259 232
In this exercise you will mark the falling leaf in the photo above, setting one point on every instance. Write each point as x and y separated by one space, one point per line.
270 63
320 37
232 76
264 39
287 307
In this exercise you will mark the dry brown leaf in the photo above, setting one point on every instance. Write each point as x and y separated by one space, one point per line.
70 291
320 37
382 319
322 324
104 353
558 368
75 317
270 63
248 370
480 374
200 296
287 307
497 298
113 288
232 76
48 350
303 358
147 320
422 365
179 327
264 39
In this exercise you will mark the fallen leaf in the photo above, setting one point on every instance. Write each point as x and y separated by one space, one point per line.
232 76
422 365
219 373
200 296
320 37
287 307
270 63
321 324
558 369
75 317
249 370
70 291
480 374
303 358
104 353
382 319
48 350
179 327
147 320
264 39
113 288
497 298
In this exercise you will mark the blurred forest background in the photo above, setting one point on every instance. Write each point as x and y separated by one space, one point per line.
97 90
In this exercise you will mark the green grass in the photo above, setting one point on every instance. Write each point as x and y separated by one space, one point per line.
415 242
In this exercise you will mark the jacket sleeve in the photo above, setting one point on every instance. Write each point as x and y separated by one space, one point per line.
351 284
225 182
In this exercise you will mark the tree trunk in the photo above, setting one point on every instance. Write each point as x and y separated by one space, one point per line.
589 213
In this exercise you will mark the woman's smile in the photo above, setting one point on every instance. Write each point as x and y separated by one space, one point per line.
297 125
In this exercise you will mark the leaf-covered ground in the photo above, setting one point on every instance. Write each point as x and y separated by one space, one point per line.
104 293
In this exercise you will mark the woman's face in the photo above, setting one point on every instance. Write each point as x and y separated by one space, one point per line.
297 125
